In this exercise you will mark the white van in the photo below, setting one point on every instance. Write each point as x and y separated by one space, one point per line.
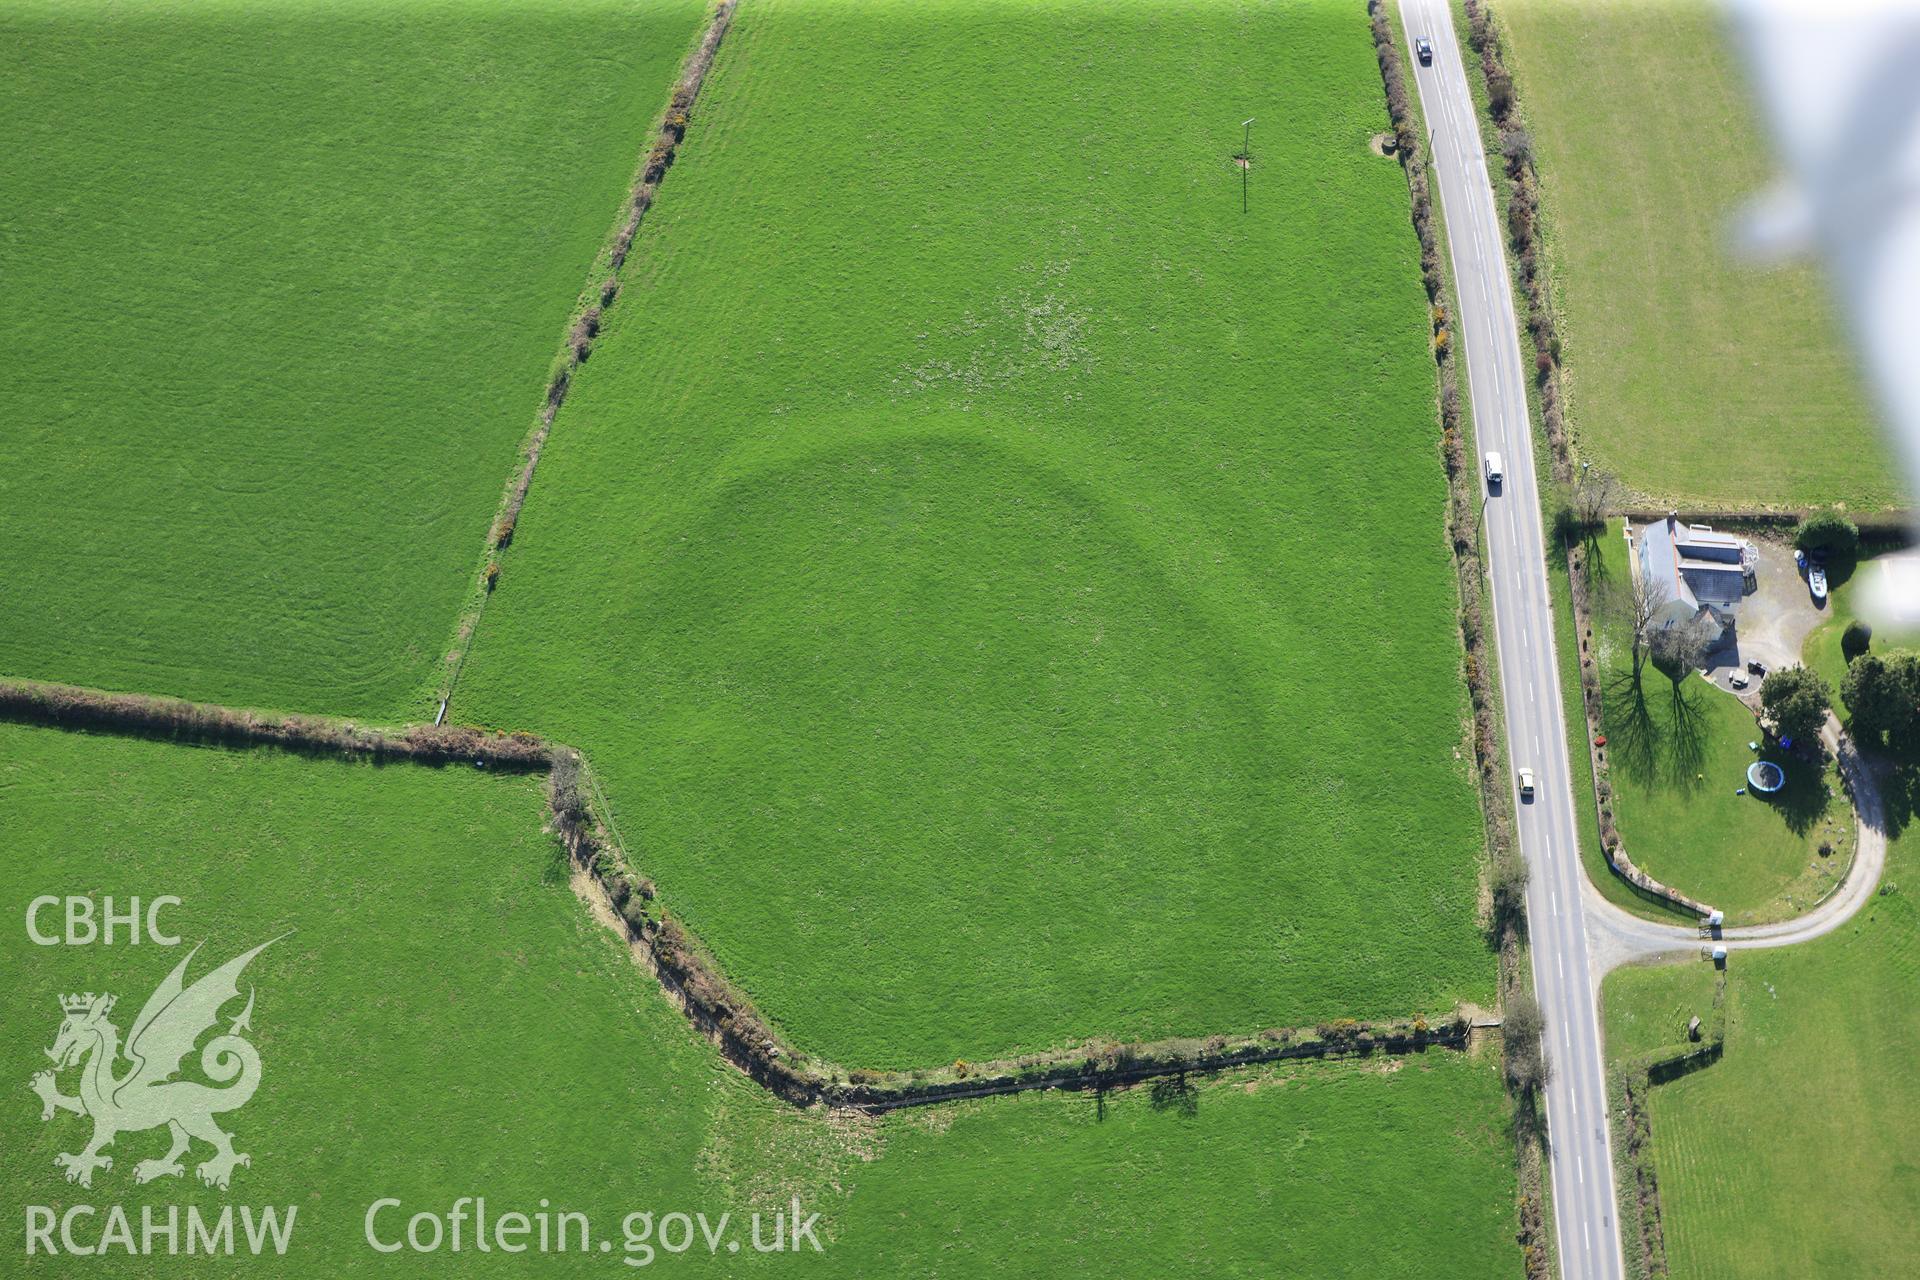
1495 472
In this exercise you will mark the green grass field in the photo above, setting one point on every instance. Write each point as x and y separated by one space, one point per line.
279 289
1679 755
1698 379
1001 585
1350 1171
442 1018
1792 1155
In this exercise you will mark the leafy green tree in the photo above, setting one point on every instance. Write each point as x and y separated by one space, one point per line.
1872 693
1882 693
1796 700
1828 531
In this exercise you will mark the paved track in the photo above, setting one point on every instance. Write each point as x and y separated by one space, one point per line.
1617 936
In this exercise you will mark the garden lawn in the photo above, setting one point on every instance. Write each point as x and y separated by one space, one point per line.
1793 1154
1679 754
279 287
1000 585
1697 378
440 1017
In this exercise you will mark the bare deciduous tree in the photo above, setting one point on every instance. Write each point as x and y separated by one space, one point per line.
1596 494
1639 601
1679 648
1525 1056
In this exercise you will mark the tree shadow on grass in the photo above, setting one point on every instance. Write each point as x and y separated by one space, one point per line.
1896 772
558 868
1175 1093
1599 573
1900 796
1664 751
1632 735
1686 742
1528 1119
1839 568
1802 802
1586 541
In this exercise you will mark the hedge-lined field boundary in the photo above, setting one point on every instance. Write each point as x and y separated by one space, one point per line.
728 1018
583 327
1524 1067
685 970
1628 1088
1523 233
173 719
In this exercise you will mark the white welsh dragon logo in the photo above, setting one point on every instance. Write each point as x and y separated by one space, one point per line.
145 1095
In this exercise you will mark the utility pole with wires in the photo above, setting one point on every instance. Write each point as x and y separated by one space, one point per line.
1246 158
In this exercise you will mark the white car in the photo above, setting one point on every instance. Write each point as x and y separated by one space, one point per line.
1496 472
1526 783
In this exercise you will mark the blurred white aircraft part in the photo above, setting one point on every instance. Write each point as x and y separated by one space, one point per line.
1840 82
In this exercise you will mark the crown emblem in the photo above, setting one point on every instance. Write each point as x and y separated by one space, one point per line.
81 1003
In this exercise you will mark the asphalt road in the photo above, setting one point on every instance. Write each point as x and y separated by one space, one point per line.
1579 1142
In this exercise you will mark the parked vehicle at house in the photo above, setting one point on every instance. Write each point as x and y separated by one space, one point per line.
1817 581
1496 470
1756 667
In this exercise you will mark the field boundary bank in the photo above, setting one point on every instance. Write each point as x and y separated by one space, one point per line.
176 720
1876 527
583 327
1628 1086
1523 1066
686 972
627 903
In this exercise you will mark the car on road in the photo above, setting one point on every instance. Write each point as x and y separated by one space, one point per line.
1496 470
1526 783
1423 49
